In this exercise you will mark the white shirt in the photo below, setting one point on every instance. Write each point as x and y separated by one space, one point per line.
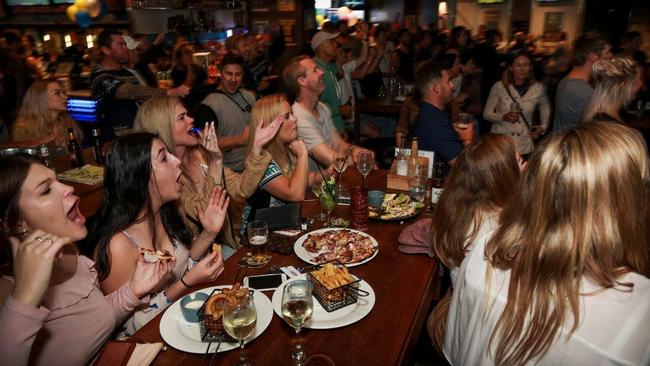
614 324
346 92
314 131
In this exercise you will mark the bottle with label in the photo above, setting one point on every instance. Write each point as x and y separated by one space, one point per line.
438 179
74 150
97 146
401 160
44 154
413 160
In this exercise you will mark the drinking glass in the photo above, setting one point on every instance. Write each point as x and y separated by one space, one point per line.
239 322
328 199
258 233
297 307
340 163
418 184
364 165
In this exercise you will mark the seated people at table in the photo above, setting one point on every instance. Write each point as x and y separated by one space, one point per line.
402 63
43 117
229 107
186 72
574 91
141 185
117 91
483 179
407 115
287 177
55 314
519 89
433 127
616 82
305 80
564 279
325 47
202 161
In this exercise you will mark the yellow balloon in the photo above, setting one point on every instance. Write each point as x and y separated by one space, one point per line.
320 19
71 12
93 7
81 4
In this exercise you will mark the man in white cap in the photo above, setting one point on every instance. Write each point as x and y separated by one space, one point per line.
134 56
325 49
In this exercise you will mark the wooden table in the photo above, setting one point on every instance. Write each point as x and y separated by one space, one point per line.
386 106
90 196
403 286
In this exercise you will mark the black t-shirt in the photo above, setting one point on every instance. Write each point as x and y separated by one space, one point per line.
113 113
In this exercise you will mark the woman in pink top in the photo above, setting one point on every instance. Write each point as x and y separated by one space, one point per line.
56 314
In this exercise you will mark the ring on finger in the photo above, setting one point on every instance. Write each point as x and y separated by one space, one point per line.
50 239
39 239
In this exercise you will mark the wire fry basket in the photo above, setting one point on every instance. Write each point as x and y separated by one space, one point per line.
339 297
212 329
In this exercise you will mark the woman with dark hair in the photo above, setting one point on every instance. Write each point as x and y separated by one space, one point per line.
512 103
54 298
141 189
564 279
402 63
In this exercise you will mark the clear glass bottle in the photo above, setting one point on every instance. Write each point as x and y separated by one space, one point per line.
402 160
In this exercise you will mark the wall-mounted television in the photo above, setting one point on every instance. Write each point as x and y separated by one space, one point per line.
26 2
56 2
480 2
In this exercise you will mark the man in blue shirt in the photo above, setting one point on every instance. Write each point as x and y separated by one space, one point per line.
433 127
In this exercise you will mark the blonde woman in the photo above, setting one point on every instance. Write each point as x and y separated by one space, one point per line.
43 117
512 102
202 161
287 177
616 82
564 279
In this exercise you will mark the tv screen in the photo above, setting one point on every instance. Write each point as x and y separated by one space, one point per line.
490 1
27 2
62 1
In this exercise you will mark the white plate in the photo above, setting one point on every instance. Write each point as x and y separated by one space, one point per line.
186 337
309 257
321 319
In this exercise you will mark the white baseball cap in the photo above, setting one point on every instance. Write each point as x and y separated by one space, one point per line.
320 38
131 43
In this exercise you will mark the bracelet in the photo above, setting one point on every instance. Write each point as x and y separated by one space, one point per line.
184 283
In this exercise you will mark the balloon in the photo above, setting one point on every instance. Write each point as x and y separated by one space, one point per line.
93 7
83 19
320 19
334 18
81 4
71 11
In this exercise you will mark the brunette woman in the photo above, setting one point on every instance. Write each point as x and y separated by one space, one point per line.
202 160
564 279
142 184
55 314
512 103
43 117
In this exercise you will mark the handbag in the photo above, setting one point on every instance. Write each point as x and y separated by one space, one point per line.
521 109
280 217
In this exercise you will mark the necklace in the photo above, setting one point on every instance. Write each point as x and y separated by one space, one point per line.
244 108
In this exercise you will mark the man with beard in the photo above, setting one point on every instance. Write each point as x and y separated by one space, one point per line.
230 110
433 127
315 126
117 91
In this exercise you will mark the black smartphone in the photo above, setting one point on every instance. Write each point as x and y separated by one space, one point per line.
265 282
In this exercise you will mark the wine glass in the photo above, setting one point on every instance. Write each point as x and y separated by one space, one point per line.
418 183
239 321
297 307
340 163
364 165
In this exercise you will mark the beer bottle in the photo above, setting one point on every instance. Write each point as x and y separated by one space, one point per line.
74 150
97 146
438 179
413 160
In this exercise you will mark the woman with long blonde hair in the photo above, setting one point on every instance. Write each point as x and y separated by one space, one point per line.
287 177
202 160
616 82
43 116
564 279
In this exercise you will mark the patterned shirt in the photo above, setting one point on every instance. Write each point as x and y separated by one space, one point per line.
261 198
435 133
113 113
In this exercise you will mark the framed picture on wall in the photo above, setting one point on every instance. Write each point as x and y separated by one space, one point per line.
261 26
288 28
260 5
553 22
286 5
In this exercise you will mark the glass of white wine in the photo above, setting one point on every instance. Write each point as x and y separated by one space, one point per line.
340 162
297 308
239 321
364 165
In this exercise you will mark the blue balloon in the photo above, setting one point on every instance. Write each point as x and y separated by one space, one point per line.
334 18
83 19
104 10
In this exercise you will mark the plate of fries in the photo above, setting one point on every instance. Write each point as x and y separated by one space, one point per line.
320 318
186 337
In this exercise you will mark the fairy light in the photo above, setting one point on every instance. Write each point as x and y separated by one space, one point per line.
68 40
46 38
89 41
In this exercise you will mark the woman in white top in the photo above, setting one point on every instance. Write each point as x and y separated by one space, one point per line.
564 279
518 91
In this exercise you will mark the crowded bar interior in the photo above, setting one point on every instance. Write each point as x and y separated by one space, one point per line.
324 182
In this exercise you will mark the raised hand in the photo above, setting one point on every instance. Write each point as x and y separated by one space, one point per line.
265 134
207 270
148 276
214 214
180 91
209 139
33 262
